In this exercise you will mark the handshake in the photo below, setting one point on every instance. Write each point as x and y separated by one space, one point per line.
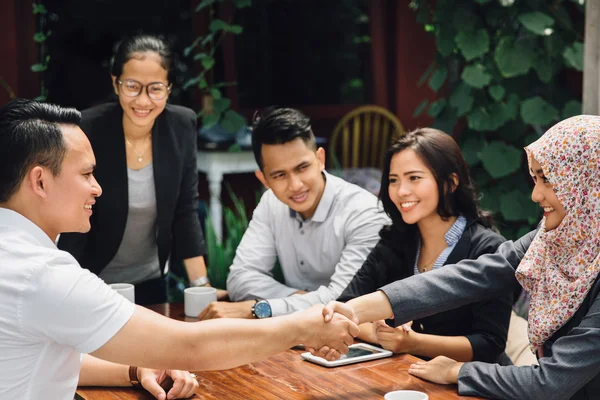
328 330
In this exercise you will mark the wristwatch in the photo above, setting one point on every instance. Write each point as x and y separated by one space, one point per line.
203 280
262 309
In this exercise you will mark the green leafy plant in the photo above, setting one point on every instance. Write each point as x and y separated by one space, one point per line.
216 108
500 71
220 253
40 37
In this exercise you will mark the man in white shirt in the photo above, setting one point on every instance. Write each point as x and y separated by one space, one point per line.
319 227
52 311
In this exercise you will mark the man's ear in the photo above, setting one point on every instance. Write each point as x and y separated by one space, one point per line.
36 180
115 84
261 177
321 157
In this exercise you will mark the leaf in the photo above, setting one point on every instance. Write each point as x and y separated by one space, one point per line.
461 99
39 67
204 4
208 63
200 56
426 74
517 206
471 147
573 56
215 93
446 120
242 3
463 18
500 159
496 92
203 84
437 78
210 120
436 108
473 44
237 29
513 58
494 116
218 25
191 82
444 39
39 37
537 22
38 8
571 108
220 105
476 76
232 121
420 108
543 68
188 50
536 111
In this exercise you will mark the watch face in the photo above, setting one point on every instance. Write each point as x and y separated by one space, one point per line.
262 309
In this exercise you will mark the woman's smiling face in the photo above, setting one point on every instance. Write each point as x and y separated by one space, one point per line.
543 194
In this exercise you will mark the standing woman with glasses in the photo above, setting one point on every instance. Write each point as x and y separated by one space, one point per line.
146 162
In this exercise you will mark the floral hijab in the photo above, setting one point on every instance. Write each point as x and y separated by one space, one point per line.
561 265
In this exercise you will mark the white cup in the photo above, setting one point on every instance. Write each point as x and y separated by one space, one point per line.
406 395
195 299
127 290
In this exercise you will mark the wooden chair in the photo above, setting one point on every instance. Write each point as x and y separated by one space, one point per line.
362 137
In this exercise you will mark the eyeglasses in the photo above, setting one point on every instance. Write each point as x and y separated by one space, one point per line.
155 90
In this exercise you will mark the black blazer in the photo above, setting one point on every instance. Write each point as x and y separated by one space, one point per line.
175 178
484 324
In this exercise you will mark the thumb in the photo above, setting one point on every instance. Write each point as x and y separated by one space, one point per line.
328 311
152 386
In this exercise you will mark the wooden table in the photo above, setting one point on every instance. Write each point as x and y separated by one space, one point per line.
287 376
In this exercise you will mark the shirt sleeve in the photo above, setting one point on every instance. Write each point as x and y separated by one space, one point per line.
453 286
73 307
362 233
575 361
250 275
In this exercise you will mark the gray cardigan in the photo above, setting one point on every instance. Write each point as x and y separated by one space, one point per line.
571 366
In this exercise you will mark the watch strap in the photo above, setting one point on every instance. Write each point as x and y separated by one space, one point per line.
133 377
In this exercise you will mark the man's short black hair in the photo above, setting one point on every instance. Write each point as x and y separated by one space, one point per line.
29 136
279 126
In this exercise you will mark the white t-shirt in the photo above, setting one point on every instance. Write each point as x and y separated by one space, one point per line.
51 311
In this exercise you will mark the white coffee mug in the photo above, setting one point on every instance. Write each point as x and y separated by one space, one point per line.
127 290
406 395
197 298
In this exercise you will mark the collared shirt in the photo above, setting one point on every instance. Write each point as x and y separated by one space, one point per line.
451 237
51 311
319 255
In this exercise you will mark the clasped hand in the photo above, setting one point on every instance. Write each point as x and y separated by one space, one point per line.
184 383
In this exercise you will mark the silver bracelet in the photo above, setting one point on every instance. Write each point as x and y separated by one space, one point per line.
203 280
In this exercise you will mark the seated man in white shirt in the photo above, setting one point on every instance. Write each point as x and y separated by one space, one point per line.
319 227
52 311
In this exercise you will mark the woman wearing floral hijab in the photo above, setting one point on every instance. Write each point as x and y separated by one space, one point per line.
558 265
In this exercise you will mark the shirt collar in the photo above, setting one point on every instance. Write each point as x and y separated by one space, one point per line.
456 231
326 200
12 218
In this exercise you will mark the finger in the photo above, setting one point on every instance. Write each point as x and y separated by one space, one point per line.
343 348
311 350
204 313
328 311
188 384
152 386
323 351
333 355
353 330
179 378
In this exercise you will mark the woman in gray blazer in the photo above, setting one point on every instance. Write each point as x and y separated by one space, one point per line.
558 264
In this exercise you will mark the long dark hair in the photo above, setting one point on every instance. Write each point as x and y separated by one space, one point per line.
440 153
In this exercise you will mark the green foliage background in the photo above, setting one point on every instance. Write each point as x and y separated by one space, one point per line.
500 70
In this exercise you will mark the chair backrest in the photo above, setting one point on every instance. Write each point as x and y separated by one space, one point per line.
362 137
